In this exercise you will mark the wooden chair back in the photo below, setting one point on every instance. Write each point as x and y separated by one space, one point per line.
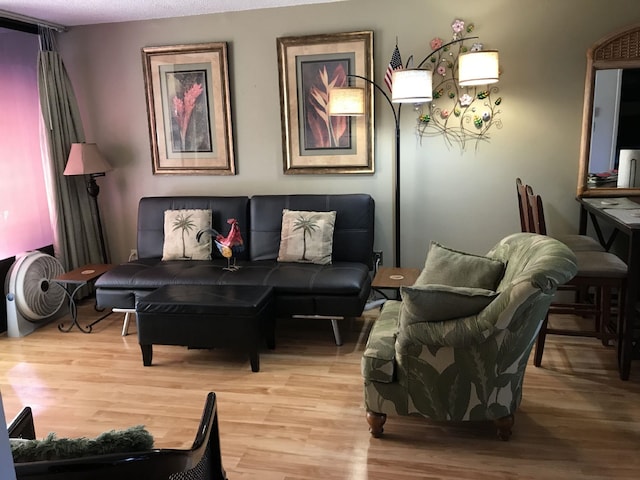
523 206
537 222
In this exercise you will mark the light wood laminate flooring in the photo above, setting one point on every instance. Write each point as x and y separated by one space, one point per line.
302 415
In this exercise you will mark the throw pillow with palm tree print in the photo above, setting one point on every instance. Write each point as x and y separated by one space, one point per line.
180 229
306 237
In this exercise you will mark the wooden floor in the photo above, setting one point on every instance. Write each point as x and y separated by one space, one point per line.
302 417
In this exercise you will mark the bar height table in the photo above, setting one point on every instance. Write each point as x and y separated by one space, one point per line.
621 214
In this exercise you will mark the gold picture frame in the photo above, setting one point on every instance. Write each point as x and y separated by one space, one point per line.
189 111
308 67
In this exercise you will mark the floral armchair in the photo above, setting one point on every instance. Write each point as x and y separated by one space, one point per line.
457 345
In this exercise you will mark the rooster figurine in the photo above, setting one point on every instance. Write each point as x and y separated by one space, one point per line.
228 246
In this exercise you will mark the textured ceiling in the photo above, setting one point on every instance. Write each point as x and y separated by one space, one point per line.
87 12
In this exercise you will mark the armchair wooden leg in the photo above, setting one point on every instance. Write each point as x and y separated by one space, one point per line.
376 422
504 425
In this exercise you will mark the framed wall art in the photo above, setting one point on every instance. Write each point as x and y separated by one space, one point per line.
188 106
309 66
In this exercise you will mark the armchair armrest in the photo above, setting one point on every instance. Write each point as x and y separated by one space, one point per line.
463 332
378 360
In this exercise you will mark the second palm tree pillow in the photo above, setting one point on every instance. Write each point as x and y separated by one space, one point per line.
306 236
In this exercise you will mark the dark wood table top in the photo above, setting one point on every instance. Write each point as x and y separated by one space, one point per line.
392 277
83 274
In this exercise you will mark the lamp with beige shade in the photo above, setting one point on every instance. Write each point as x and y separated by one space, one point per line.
86 159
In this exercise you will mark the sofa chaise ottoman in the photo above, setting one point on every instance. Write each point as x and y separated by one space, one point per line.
203 317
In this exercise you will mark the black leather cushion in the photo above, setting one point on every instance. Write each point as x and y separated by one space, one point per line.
204 300
151 219
344 278
353 231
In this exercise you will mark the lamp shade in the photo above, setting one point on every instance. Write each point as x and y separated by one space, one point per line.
411 86
86 159
346 101
478 68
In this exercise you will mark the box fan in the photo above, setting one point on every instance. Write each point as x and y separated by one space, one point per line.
32 299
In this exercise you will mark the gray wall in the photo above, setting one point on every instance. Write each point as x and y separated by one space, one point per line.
466 201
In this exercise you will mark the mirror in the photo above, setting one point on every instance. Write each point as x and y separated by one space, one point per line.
610 149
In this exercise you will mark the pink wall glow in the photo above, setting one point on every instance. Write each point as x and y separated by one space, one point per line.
24 214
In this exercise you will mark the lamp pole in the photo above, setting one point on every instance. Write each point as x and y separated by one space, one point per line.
93 189
396 119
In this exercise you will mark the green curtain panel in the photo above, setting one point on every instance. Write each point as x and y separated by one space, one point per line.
76 240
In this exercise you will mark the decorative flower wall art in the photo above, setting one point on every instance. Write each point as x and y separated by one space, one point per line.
458 114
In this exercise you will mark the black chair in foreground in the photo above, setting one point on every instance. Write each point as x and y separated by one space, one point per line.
202 461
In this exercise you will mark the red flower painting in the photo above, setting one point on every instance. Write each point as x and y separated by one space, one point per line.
183 108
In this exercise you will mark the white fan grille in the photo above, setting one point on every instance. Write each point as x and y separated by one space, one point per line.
36 297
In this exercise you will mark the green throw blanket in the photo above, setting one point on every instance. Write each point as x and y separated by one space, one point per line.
134 439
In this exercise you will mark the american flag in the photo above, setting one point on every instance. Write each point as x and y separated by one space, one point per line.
394 64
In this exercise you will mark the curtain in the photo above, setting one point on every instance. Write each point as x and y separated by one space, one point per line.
24 225
76 237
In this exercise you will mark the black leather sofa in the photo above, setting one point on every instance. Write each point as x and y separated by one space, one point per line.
337 290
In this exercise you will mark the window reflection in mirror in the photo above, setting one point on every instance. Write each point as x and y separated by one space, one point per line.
614 160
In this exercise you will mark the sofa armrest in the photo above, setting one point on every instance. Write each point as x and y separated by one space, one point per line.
379 358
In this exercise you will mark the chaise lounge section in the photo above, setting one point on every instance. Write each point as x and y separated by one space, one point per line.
336 290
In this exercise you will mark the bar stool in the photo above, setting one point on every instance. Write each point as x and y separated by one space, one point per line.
599 272
577 243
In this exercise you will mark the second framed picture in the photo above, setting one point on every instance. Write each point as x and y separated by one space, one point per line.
189 109
309 67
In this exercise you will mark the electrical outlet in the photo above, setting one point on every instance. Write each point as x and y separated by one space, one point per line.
377 257
133 254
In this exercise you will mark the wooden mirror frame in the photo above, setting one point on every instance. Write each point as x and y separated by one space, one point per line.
620 49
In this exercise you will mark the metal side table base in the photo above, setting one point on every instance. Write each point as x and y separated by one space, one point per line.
73 281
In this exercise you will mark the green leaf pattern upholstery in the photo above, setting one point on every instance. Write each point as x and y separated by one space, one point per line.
469 368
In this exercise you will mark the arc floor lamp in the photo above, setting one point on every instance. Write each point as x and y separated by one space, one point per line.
412 86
